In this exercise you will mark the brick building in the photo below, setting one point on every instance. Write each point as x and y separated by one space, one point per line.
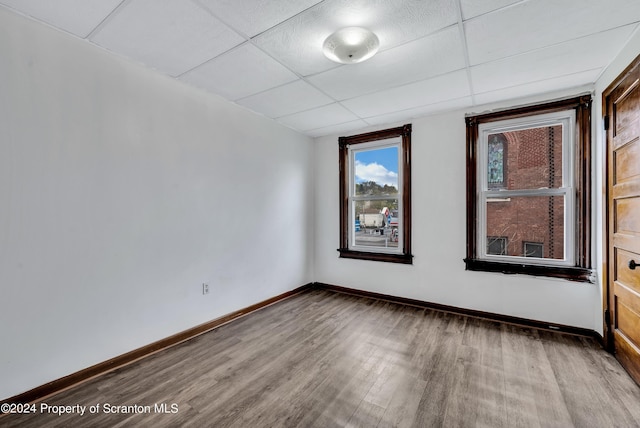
529 226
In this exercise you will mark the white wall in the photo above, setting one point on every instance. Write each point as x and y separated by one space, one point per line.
439 242
121 192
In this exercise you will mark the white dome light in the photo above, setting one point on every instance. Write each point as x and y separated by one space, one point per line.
351 45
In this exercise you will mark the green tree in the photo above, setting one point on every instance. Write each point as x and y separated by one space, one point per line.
374 189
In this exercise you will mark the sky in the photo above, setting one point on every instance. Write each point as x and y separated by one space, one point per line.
379 165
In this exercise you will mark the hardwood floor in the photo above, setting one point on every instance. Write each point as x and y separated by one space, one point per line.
327 359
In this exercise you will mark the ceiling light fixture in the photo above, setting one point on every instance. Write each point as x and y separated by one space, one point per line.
351 45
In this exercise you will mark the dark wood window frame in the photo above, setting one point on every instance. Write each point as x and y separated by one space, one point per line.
582 178
344 143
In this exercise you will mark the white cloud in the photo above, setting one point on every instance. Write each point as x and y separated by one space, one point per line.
375 172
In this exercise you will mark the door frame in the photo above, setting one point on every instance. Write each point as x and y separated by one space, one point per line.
607 337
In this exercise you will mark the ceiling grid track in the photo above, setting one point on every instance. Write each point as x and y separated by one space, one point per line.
107 18
465 49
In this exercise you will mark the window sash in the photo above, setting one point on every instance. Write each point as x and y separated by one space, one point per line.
569 231
352 198
567 119
370 248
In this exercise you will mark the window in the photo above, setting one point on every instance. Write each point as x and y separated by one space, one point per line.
533 249
495 161
375 195
497 245
528 172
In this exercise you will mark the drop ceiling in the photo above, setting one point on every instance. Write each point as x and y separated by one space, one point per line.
435 55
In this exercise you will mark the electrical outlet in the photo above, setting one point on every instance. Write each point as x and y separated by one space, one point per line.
205 288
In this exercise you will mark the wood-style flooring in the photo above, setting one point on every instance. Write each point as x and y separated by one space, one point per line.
325 359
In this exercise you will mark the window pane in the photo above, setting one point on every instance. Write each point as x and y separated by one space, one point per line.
376 223
495 163
376 171
534 249
525 159
531 219
497 245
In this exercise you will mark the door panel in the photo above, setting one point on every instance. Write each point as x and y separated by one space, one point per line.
627 354
626 106
626 135
626 165
627 219
629 323
622 106
623 274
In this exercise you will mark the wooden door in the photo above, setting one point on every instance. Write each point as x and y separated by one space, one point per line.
622 120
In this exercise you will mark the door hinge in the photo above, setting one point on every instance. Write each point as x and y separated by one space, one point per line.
606 123
607 318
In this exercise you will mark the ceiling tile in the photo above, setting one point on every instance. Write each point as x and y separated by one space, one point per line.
577 80
337 129
78 17
169 35
298 41
472 8
252 17
535 24
448 105
333 114
287 99
240 72
416 60
431 91
578 55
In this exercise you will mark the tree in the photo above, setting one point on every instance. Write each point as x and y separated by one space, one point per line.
374 189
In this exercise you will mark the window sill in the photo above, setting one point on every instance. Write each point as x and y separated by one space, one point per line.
345 253
565 272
